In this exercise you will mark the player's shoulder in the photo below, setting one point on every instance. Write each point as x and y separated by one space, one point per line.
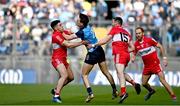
87 28
149 39
116 28
126 31
56 33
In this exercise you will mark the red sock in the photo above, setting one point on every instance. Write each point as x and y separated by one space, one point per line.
123 90
56 93
173 96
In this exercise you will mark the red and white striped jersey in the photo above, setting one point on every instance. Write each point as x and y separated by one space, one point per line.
59 51
120 39
146 49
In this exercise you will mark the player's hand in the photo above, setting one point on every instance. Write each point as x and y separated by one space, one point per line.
165 62
84 42
133 58
89 46
67 32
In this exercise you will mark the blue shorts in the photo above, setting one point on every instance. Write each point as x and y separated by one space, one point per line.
97 56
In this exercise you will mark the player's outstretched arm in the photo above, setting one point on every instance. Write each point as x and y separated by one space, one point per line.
133 57
162 51
101 42
73 44
69 37
104 40
131 47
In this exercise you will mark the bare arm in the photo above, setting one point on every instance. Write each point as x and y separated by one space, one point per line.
133 57
72 44
131 47
103 41
134 53
162 51
69 37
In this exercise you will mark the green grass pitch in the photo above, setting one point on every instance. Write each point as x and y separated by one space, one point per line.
75 95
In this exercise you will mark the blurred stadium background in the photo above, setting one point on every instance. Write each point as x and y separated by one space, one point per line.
25 36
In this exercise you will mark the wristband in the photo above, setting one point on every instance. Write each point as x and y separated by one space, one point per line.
93 45
164 57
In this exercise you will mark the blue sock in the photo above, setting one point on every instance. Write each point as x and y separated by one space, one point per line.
89 90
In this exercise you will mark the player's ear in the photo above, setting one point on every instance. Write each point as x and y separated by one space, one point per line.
142 33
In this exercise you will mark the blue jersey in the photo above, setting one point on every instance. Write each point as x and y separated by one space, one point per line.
87 34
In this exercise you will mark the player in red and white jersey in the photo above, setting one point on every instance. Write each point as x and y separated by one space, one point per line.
145 47
121 47
147 51
59 58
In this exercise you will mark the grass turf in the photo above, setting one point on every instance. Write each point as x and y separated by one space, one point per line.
76 94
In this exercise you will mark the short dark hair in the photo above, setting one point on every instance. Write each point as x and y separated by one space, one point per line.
54 23
140 29
119 20
84 19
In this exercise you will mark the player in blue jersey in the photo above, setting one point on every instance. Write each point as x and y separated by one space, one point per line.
94 55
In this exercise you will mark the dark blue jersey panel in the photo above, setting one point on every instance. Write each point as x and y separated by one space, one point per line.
87 34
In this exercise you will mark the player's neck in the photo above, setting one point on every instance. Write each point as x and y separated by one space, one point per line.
141 40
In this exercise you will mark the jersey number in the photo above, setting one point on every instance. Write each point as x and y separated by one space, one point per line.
123 37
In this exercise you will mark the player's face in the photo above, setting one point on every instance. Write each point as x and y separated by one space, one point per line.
60 27
78 23
139 34
113 22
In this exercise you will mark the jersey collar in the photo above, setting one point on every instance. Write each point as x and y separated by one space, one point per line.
142 40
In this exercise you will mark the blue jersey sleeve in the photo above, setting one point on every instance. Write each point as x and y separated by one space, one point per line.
80 34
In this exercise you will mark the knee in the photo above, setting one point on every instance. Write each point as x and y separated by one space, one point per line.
162 79
106 73
71 78
144 84
84 73
65 76
84 76
120 72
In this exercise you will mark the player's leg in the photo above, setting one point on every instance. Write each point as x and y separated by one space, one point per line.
70 76
122 81
68 80
131 81
145 79
64 75
121 61
100 55
104 69
86 68
166 85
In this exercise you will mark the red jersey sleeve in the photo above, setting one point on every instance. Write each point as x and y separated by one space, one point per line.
112 31
59 39
153 42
